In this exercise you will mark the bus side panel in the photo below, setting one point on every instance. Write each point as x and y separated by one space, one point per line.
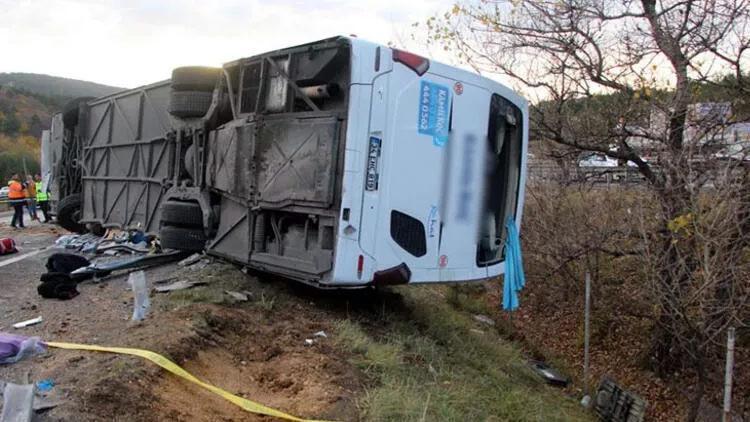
127 158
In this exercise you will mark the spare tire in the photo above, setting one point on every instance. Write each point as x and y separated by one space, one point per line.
182 238
182 214
70 111
195 78
69 213
187 104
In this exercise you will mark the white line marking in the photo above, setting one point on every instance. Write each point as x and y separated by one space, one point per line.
20 257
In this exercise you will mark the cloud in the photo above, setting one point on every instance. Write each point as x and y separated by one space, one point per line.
134 42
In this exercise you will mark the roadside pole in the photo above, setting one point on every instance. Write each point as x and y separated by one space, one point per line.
727 414
586 318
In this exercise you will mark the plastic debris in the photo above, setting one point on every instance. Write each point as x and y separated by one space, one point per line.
320 334
18 403
178 285
112 247
13 347
240 296
45 385
104 265
139 237
141 301
87 241
550 376
309 342
28 322
484 319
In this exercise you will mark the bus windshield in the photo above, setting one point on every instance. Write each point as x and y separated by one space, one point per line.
502 173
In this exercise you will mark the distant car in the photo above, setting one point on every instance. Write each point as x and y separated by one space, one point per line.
596 160
4 193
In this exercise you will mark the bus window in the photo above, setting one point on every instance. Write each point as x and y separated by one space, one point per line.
502 173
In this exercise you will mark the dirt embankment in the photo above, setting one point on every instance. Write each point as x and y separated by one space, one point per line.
255 349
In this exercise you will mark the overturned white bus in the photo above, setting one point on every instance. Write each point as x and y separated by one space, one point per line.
340 163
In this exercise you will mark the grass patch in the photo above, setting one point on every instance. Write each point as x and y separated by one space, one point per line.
219 277
426 364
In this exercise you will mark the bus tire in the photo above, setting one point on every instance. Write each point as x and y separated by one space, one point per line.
70 111
69 213
182 214
186 104
194 78
182 238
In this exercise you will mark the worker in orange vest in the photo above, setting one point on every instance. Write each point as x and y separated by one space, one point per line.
31 197
17 199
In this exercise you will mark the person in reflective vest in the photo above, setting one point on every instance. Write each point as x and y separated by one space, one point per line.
31 197
42 198
17 199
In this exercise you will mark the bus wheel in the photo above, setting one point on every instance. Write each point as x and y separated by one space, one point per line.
182 238
182 214
70 111
69 213
194 78
189 103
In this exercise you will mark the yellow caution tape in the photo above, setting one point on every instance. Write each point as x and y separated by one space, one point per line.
172 367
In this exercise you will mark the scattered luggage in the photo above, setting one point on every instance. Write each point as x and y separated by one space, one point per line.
7 246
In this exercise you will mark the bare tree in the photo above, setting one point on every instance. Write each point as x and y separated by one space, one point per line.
618 77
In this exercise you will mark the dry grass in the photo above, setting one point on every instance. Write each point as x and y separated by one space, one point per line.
437 364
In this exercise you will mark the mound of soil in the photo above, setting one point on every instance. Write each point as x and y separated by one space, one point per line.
263 358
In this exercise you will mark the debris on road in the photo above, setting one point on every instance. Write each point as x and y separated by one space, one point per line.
45 385
320 334
18 403
105 265
141 301
43 400
58 283
78 242
192 259
65 263
28 322
309 342
13 347
178 285
7 246
115 248
115 241
57 286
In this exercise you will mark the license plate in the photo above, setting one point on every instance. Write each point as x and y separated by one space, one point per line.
373 156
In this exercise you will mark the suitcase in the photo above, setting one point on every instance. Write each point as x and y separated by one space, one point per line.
7 245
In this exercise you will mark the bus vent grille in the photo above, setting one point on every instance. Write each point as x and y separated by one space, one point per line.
409 233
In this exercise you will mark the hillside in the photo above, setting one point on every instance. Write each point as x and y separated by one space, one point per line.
54 86
27 103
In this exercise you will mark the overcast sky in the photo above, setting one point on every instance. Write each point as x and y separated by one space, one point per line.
130 43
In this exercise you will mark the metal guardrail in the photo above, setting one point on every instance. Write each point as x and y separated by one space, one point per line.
622 175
